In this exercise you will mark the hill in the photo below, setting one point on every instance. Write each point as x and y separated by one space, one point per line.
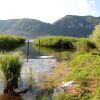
69 25
79 26
25 27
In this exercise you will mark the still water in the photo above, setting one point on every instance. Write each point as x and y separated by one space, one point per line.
36 65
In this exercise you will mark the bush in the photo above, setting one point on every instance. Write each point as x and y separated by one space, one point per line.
96 35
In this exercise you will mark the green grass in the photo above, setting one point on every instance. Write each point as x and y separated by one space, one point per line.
10 65
85 70
63 96
55 41
96 35
10 41
65 42
85 44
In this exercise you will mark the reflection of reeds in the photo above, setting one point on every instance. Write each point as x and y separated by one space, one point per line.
10 66
59 53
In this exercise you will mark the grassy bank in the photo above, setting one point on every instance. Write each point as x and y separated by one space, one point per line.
85 71
64 42
54 41
10 41
82 67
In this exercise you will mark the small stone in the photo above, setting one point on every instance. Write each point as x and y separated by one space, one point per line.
20 90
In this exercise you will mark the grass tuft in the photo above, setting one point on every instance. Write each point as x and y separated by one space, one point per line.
10 65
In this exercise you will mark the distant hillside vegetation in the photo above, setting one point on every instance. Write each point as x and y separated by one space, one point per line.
70 25
25 27
79 26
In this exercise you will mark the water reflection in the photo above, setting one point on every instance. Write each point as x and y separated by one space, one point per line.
58 53
33 53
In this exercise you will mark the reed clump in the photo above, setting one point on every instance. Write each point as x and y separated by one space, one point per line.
65 42
10 65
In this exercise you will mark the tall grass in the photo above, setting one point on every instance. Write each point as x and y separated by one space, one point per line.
96 35
65 42
55 41
10 41
10 65
84 44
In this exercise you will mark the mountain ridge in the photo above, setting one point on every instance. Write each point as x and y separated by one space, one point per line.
69 25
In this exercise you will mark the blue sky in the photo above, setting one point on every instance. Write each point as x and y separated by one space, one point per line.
47 10
97 7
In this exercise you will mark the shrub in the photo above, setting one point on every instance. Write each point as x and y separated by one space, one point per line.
96 35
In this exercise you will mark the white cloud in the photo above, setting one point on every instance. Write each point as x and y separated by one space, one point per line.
81 7
45 10
92 2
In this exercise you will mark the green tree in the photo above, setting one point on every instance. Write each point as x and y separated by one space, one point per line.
96 35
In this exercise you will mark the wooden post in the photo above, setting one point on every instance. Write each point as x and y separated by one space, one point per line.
39 42
27 50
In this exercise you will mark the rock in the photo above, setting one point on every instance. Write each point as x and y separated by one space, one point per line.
57 91
62 87
20 90
66 84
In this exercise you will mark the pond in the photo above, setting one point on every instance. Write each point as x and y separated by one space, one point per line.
37 64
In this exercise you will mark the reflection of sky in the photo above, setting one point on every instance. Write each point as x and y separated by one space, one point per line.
38 68
38 65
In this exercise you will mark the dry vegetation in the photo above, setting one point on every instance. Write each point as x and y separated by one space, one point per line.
57 76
